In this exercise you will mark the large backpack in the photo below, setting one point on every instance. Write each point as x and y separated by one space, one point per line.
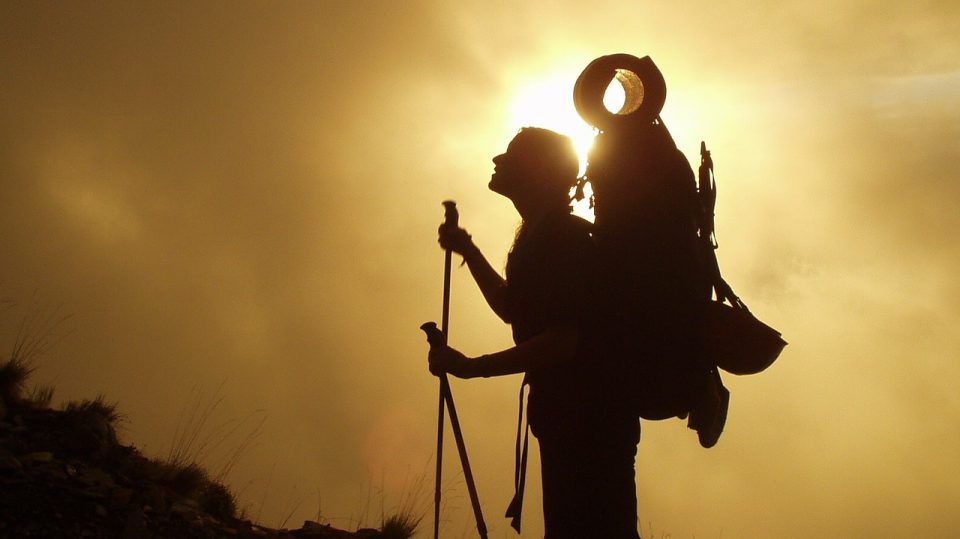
666 325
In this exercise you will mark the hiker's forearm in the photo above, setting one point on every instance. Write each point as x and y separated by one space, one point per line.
491 284
551 348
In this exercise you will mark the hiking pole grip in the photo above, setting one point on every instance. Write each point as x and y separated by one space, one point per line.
451 218
434 336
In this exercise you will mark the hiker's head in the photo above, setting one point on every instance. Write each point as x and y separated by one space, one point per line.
539 165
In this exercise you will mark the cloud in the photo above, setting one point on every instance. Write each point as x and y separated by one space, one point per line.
251 193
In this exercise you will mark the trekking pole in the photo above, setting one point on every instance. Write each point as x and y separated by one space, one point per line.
451 217
436 338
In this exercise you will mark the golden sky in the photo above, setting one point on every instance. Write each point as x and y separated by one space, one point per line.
247 194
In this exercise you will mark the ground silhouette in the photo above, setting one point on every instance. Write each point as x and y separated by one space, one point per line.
64 473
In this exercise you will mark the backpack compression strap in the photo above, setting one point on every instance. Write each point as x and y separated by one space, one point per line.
707 190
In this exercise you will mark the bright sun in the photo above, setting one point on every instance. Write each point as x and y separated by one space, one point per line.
548 102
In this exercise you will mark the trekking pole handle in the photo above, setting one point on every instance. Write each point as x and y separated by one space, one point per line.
451 217
435 337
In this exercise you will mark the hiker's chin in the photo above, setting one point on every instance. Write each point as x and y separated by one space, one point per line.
495 185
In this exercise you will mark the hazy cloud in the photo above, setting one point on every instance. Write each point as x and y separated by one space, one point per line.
250 191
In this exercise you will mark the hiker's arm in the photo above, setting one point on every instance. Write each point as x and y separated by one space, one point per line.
552 347
490 282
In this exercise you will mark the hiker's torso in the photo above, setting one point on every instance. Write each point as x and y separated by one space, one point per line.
549 275
550 280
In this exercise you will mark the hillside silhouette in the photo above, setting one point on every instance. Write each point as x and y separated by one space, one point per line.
64 473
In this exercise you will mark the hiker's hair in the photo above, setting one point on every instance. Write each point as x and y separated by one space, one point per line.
556 154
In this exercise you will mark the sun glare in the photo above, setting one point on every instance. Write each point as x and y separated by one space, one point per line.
548 102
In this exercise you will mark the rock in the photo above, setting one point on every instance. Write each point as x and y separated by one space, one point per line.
310 525
8 461
37 457
95 477
135 526
311 529
153 497
121 497
187 510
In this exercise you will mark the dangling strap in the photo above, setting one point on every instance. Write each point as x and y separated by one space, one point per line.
515 509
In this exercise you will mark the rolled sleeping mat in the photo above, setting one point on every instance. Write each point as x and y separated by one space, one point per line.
644 87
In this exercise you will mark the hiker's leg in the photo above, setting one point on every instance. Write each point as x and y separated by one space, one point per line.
588 486
616 490
567 512
556 480
607 480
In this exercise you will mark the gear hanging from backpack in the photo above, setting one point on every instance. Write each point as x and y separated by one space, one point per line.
655 235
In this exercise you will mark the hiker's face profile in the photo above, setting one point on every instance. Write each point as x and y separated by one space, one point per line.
520 169
539 167
511 169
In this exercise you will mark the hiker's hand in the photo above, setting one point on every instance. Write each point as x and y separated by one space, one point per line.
457 240
444 359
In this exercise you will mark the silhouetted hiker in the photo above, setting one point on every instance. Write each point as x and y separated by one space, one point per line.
587 442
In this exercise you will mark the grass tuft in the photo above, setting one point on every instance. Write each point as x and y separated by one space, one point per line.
400 526
36 333
40 396
195 440
92 425
98 407
13 377
408 514
185 480
217 500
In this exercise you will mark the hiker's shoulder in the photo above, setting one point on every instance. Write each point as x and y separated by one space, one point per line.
567 225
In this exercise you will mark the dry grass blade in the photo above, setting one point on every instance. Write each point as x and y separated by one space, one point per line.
237 453
293 509
189 444
35 335
41 396
413 505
